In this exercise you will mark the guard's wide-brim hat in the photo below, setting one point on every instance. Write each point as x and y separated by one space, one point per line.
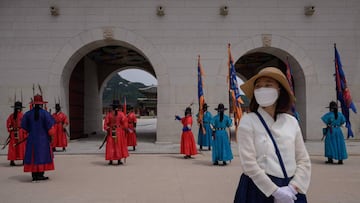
333 105
38 99
115 103
221 107
271 72
18 105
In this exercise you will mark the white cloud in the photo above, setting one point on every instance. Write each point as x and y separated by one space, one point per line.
136 75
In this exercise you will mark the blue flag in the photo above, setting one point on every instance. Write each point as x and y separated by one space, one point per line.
234 90
343 93
290 81
201 97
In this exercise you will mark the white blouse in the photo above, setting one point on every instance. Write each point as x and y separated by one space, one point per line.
257 152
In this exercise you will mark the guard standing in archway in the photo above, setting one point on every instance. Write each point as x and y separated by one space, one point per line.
115 124
131 132
61 134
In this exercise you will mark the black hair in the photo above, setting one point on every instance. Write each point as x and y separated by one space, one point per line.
15 113
334 108
37 112
221 113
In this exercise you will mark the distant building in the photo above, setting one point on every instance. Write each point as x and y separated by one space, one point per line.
147 105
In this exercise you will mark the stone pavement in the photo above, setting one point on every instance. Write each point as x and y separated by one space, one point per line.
157 173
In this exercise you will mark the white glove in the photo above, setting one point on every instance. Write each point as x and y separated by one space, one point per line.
286 194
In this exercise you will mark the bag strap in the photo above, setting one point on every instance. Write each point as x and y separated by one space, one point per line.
275 145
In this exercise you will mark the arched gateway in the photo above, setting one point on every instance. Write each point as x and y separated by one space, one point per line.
281 50
80 81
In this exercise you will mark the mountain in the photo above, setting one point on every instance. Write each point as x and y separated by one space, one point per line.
118 88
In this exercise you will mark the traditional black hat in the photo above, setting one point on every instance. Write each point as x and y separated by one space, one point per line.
115 103
221 107
57 106
333 105
18 105
205 105
187 110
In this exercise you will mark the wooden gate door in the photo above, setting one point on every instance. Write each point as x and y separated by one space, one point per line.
76 101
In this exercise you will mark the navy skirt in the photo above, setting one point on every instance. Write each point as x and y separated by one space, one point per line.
248 192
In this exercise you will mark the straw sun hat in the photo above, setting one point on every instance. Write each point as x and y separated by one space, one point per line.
271 72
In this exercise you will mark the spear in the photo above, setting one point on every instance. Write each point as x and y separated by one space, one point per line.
41 92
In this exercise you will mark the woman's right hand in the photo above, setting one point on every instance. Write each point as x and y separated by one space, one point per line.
284 194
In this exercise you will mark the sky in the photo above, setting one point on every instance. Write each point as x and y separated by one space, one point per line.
136 75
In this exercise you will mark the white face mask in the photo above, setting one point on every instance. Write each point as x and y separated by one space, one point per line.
266 96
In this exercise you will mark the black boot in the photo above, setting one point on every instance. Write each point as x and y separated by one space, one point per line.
209 148
134 148
12 163
340 162
41 176
110 162
64 149
200 147
329 161
224 163
119 162
54 149
34 176
216 163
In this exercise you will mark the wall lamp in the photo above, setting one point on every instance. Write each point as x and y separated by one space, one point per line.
160 11
54 10
309 10
224 10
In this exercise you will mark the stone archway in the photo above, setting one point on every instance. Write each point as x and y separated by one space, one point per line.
80 45
281 48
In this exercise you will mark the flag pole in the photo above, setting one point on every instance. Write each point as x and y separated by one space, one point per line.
335 65
229 89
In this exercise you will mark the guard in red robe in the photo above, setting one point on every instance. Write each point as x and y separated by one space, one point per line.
188 145
61 122
16 134
115 124
38 154
131 132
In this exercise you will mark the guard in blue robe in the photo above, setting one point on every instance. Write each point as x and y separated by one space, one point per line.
221 144
335 147
204 139
38 154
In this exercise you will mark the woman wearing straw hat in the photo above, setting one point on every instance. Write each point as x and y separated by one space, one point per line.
276 165
38 154
221 145
335 147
